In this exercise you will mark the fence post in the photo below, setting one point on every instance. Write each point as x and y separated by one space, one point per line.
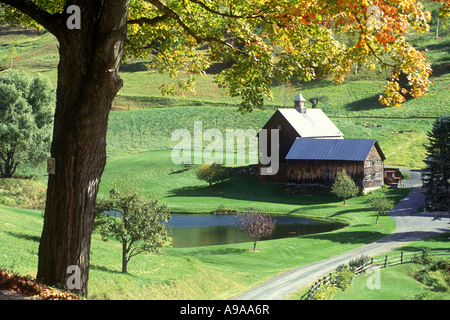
401 257
385 261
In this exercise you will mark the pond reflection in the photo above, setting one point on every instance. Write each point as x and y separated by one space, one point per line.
194 230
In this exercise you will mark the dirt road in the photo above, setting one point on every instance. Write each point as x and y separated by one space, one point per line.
411 226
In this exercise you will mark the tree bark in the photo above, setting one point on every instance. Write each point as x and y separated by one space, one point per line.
88 81
124 257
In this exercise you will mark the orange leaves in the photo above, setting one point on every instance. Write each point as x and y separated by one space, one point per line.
30 287
286 38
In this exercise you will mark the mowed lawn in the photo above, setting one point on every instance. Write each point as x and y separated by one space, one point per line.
213 272
139 147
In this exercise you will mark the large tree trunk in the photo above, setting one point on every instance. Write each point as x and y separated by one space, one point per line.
87 84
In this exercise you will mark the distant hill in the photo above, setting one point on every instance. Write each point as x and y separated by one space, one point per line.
353 105
37 52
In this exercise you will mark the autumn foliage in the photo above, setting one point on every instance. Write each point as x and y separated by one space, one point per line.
261 40
30 287
304 39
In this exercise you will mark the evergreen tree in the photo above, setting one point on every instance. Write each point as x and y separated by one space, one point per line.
437 178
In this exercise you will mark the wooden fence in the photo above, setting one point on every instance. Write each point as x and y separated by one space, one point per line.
376 264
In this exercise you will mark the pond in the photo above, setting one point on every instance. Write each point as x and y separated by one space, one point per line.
194 230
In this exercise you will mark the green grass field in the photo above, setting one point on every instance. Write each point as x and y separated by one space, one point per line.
139 146
135 131
212 272
398 282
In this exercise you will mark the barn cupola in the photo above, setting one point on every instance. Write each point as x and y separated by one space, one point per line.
299 103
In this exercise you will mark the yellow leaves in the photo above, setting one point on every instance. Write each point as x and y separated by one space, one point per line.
288 38
391 95
31 287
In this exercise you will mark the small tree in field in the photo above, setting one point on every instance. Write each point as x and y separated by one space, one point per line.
211 173
344 187
26 113
256 225
139 225
381 205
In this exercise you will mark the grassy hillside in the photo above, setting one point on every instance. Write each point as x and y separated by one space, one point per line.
212 272
139 144
151 129
353 106
358 97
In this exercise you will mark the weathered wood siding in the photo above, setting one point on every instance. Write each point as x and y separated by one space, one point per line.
366 174
280 176
287 135
323 172
373 170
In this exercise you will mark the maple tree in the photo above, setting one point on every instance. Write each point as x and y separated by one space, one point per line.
263 40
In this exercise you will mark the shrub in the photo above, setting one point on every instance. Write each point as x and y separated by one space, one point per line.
341 267
422 258
325 292
443 265
211 173
344 278
435 275
222 210
355 263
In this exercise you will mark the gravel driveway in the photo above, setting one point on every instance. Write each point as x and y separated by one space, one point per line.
411 226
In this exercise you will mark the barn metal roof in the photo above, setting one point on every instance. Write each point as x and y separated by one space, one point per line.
332 149
312 124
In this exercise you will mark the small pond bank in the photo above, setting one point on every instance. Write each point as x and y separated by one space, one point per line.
194 230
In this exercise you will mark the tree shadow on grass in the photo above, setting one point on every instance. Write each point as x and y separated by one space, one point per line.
249 189
114 271
180 171
368 103
24 236
218 251
343 212
349 237
105 269
441 68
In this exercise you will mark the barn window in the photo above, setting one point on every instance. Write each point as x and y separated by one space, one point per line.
368 177
308 175
368 163
279 126
331 175
377 176
378 163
